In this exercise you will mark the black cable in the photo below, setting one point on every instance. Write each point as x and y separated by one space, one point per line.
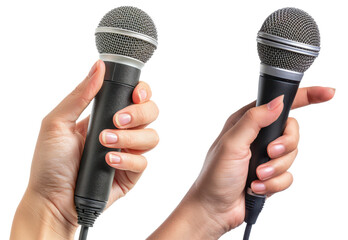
253 206
83 233
247 231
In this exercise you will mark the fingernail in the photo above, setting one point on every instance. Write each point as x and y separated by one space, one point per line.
333 90
275 103
93 69
114 159
123 119
108 137
142 94
258 187
277 150
265 172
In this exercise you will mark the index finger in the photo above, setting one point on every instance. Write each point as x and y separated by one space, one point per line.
310 95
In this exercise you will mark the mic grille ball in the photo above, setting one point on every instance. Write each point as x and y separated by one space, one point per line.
128 18
293 24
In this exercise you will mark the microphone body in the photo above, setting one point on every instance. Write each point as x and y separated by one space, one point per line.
288 43
269 88
95 176
126 38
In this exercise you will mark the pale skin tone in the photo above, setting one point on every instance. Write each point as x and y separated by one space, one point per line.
213 205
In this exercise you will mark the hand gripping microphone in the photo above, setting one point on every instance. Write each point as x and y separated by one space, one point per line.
288 43
126 39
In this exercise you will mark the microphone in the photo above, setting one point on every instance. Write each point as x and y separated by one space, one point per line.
126 38
288 43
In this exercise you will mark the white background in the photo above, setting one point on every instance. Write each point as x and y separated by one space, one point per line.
205 68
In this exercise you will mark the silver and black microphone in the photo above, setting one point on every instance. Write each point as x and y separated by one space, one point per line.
126 39
288 43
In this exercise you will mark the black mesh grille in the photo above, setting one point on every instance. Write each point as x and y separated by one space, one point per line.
293 24
129 18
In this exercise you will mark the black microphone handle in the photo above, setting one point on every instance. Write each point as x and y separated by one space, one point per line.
95 176
270 87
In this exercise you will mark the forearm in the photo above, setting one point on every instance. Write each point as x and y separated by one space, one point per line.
189 220
36 219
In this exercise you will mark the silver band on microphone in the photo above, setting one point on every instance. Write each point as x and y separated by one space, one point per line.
286 44
281 73
121 59
128 33
251 193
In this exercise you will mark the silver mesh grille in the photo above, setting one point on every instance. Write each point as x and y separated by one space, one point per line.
129 18
293 24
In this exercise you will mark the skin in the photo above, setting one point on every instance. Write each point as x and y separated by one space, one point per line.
214 204
48 200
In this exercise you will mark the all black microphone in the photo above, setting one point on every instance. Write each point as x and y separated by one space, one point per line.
288 43
126 39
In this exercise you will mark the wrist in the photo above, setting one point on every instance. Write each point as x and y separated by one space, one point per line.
203 223
38 218
214 226
190 220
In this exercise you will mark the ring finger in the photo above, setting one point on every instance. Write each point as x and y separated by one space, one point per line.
140 139
136 115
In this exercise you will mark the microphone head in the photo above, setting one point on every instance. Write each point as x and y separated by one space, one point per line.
127 31
289 39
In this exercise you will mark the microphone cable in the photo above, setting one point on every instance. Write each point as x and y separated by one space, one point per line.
247 231
83 232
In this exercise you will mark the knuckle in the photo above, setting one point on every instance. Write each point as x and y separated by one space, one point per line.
292 122
136 163
140 115
295 122
295 152
250 114
127 141
155 109
144 165
45 121
280 184
131 162
50 123
292 141
291 179
229 149
155 137
80 92
276 186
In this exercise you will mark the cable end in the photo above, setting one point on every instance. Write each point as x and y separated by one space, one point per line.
253 206
88 210
247 231
83 233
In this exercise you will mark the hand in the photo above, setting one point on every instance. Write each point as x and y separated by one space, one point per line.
216 201
50 192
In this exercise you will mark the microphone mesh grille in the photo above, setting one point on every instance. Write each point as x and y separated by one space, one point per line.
129 18
284 59
124 45
293 24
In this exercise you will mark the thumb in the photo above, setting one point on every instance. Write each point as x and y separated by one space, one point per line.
73 105
238 139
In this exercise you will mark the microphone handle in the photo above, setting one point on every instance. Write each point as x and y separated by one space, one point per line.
95 176
270 87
